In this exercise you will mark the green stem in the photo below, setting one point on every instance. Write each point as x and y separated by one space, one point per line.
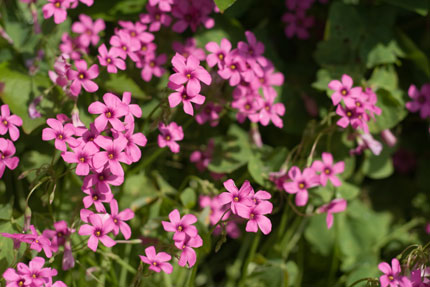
193 274
249 258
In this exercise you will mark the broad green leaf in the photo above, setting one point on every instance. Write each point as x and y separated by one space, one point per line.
384 78
188 198
378 166
347 191
255 168
5 211
319 236
224 4
119 83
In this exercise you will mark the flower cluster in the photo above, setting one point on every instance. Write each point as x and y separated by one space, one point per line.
319 173
248 71
296 19
187 13
185 235
250 205
32 275
169 135
394 277
358 105
58 8
8 124
420 100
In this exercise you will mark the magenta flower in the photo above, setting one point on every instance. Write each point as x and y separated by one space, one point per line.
97 198
180 226
112 109
82 78
124 45
40 242
99 227
234 196
155 18
192 14
344 91
189 72
137 31
335 206
209 113
392 277
298 24
133 109
118 219
180 95
202 158
233 67
259 196
328 170
62 135
152 65
216 208
218 53
169 135
58 236
110 59
88 29
268 80
188 255
420 100
157 262
14 279
56 8
9 122
7 150
272 111
356 117
255 216
83 156
189 48
113 154
35 273
300 182
132 149
102 180
165 5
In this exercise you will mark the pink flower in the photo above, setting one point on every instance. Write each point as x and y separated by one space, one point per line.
152 65
190 72
113 154
392 277
112 109
98 230
335 206
259 196
165 5
255 215
420 100
234 196
298 24
71 47
35 273
133 109
388 137
344 90
157 262
58 8
189 48
268 80
7 150
192 14
155 18
188 255
102 180
124 45
88 29
209 113
39 242
272 111
97 198
62 135
169 135
118 219
82 77
137 31
233 66
328 169
300 182
218 53
14 279
110 59
9 122
180 226
181 96
58 236
83 156
133 141
203 158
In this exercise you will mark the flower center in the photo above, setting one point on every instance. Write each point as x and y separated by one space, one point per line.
144 48
21 283
5 122
109 60
2 156
247 107
183 246
152 64
57 4
236 198
180 228
327 171
95 197
81 76
189 76
108 115
157 17
133 34
110 156
349 114
168 138
60 136
115 220
82 159
101 177
37 241
124 48
233 67
391 278
154 263
98 233
267 108
251 216
60 234
358 104
34 276
221 57
301 185
344 92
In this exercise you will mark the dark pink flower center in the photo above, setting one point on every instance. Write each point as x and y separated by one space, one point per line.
109 60
5 122
327 171
344 92
221 56
180 228
236 198
251 216
421 99
60 136
98 232
391 277
81 76
302 185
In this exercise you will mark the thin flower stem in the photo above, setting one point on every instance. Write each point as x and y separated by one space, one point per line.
251 255
219 222
362 280
134 241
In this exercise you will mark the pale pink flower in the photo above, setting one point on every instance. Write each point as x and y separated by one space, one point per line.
335 206
157 261
188 255
82 77
118 219
255 216
62 135
235 196
109 112
169 135
9 123
328 170
56 8
180 226
300 183
98 230
110 59
88 29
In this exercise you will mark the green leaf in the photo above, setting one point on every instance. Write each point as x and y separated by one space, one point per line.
319 236
382 54
224 4
413 53
5 211
18 93
188 198
378 166
418 6
255 168
122 83
384 78
347 191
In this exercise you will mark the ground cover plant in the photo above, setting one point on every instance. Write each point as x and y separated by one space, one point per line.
214 143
